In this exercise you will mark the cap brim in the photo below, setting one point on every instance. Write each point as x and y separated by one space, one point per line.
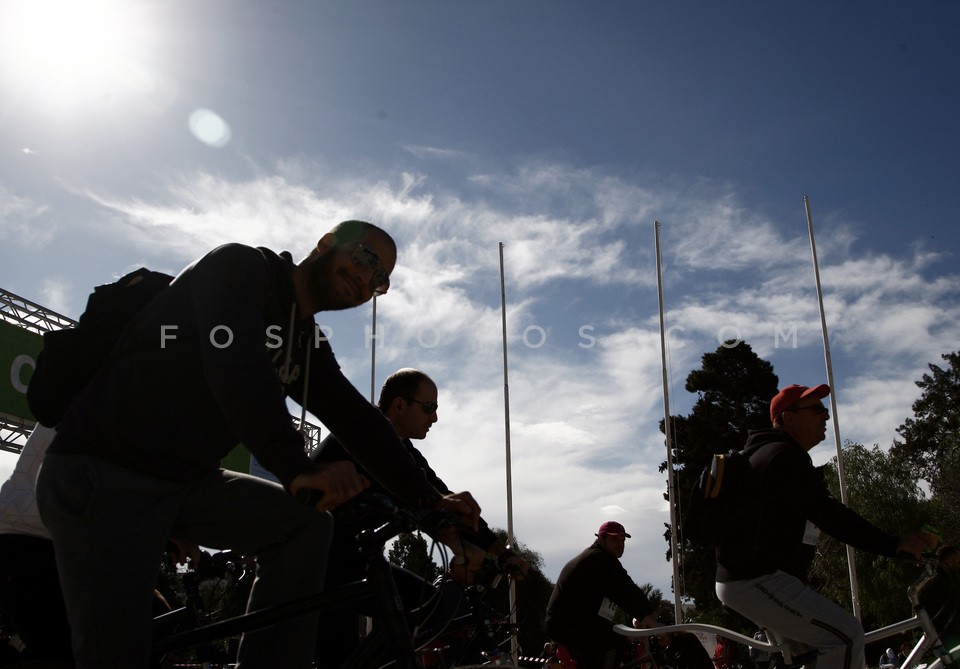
817 392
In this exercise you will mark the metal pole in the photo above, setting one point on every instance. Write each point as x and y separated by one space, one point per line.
671 491
373 353
851 564
506 415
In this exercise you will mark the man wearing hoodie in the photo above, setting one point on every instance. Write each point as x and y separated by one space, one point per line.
210 363
764 556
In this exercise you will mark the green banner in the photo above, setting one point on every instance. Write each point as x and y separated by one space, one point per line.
237 460
18 359
240 459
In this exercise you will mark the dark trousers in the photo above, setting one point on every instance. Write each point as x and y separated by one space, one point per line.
30 597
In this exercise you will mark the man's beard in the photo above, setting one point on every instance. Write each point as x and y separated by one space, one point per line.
322 275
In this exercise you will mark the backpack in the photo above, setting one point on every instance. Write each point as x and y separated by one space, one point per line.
71 357
725 479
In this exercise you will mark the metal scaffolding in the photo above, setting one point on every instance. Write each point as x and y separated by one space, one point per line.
35 318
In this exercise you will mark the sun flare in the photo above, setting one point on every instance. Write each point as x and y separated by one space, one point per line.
62 49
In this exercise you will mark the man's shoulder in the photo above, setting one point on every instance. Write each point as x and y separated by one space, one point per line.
237 250
226 262
767 446
577 560
596 557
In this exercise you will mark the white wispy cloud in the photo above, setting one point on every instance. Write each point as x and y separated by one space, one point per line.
22 220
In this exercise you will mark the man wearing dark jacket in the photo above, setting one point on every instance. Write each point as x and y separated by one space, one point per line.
766 551
585 599
408 399
209 363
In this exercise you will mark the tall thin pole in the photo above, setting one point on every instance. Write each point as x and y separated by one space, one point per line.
373 352
671 485
506 419
851 564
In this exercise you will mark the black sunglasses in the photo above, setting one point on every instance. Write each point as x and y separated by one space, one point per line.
428 407
817 408
363 256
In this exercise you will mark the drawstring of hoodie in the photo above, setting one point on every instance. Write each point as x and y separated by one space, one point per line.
306 387
286 365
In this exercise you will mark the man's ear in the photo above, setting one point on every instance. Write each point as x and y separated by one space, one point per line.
326 242
396 406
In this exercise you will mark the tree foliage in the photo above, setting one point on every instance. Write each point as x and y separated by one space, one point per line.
930 444
532 595
886 494
945 502
410 551
932 436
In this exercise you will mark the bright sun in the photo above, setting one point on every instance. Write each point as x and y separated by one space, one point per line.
62 50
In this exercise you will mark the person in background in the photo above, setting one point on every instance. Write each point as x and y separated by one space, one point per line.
722 653
888 660
30 597
590 589
31 600
904 653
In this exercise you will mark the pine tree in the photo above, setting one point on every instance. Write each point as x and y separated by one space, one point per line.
410 552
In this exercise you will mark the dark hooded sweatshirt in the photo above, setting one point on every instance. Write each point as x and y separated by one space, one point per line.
770 530
209 364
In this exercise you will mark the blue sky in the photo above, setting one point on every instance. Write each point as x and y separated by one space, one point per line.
145 133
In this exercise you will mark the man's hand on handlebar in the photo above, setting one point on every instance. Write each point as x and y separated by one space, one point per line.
333 482
915 543
516 566
462 505
466 562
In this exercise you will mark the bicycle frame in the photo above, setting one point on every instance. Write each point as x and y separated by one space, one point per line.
484 639
633 633
929 641
391 640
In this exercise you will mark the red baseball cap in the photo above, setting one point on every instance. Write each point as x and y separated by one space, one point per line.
782 401
612 528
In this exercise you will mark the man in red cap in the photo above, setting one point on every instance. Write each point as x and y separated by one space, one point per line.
590 589
769 543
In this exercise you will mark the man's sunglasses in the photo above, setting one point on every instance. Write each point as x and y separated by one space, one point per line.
363 256
428 407
816 408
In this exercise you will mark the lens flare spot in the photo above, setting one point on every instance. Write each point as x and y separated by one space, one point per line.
209 128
